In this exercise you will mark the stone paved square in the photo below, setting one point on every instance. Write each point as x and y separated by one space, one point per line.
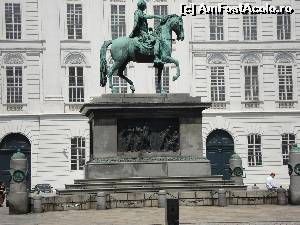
263 214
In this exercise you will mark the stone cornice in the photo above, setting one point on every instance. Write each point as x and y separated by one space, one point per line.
226 46
22 45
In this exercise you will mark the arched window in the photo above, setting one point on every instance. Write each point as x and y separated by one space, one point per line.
14 81
284 64
75 63
287 141
250 62
217 67
254 150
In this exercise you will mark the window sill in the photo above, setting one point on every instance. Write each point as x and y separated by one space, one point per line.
252 104
219 105
286 104
73 107
15 107
74 41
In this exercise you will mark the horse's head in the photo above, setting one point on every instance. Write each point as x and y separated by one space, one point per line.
177 26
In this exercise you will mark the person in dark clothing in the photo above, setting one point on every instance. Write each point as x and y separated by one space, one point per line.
2 193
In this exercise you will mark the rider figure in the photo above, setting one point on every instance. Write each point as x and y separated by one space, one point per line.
140 28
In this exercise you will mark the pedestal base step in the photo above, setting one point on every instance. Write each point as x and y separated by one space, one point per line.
148 184
192 168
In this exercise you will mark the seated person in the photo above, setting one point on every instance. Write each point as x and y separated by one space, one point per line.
270 183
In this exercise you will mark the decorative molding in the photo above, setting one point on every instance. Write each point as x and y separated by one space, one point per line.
75 58
250 58
13 58
17 126
216 58
284 57
221 123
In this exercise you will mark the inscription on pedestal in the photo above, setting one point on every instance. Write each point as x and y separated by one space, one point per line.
151 135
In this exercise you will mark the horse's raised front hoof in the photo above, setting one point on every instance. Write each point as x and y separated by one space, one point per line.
175 78
132 88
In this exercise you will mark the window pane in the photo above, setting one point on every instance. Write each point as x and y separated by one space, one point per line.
165 80
254 150
216 26
77 153
74 21
13 20
76 84
118 25
14 84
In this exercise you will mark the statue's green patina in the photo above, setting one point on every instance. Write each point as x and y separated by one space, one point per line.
143 46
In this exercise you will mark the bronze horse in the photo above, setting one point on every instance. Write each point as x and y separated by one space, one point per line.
125 49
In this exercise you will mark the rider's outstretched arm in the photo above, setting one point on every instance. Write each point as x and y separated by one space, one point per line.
153 16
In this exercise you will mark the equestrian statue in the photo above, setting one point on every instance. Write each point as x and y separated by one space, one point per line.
144 45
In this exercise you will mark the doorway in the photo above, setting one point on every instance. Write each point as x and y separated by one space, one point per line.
8 146
219 149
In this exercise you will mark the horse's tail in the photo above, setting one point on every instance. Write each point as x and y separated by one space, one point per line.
103 63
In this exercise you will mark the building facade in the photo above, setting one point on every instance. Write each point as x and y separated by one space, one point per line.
246 65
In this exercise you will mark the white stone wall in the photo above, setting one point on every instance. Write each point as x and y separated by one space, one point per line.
45 53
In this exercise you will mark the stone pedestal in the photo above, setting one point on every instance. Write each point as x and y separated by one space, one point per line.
236 169
18 194
294 172
153 135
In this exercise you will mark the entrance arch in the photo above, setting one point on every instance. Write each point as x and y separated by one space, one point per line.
219 148
8 146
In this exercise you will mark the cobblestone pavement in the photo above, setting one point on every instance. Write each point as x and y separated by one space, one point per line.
240 215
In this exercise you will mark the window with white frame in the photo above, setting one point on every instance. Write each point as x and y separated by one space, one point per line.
285 80
251 83
160 10
216 27
283 26
78 149
13 22
250 27
217 83
254 150
165 79
74 21
119 83
118 24
76 85
287 142
14 84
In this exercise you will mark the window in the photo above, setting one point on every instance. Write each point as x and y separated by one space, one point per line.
254 150
120 84
217 83
165 79
216 27
283 26
77 153
160 10
118 25
251 83
14 84
250 27
285 76
76 89
13 20
287 142
74 21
